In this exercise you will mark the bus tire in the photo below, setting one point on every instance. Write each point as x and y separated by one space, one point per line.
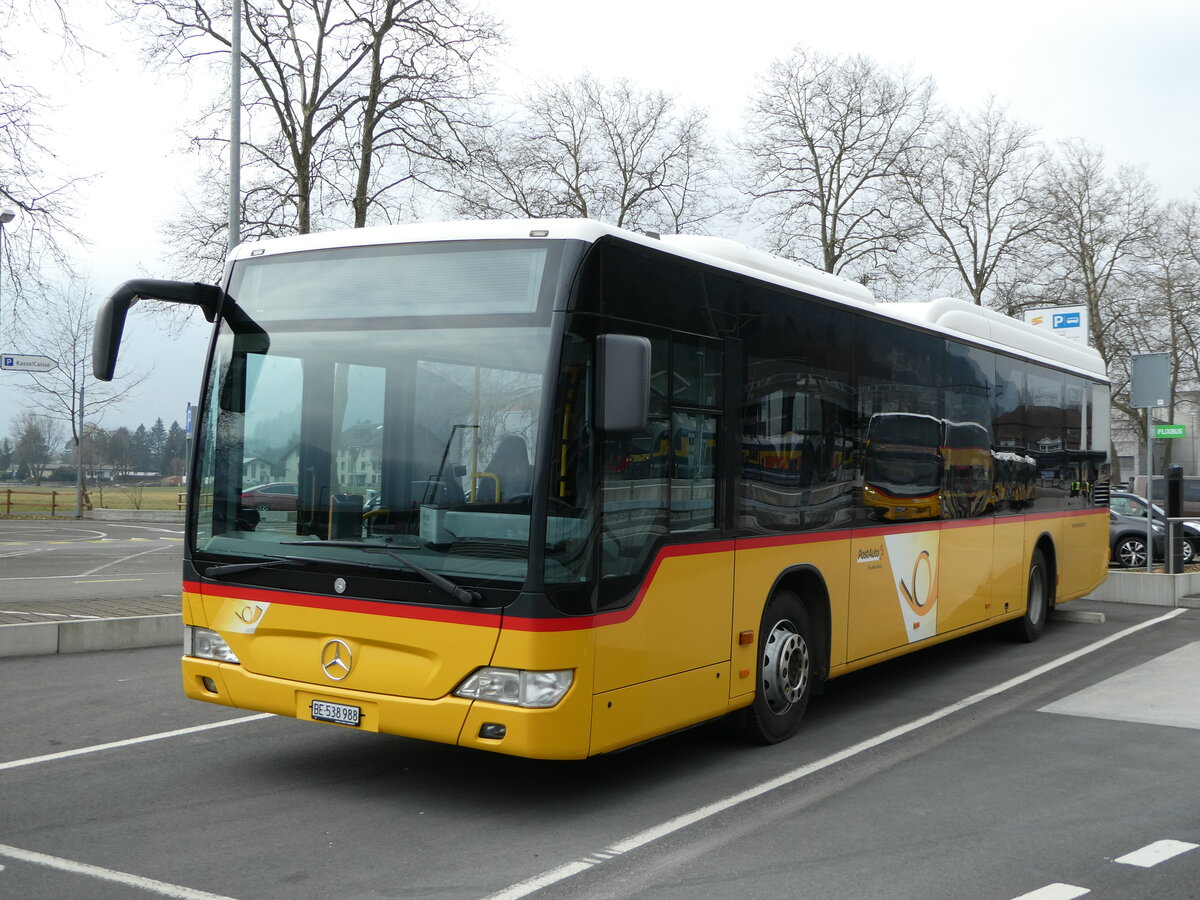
786 667
1030 626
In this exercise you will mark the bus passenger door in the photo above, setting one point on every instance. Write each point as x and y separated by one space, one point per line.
666 576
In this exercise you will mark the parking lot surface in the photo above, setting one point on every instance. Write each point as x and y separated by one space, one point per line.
978 768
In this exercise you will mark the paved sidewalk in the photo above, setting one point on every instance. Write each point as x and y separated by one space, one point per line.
80 626
13 612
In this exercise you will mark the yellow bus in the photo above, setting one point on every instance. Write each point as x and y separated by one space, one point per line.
921 467
551 488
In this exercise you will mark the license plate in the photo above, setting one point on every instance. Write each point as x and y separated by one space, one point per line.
338 713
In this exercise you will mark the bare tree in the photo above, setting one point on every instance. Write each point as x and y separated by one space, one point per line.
604 151
36 440
976 188
1097 230
1168 305
346 101
829 142
119 452
1096 241
64 329
32 184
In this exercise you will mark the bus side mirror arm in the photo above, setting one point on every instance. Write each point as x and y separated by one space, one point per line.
110 320
623 404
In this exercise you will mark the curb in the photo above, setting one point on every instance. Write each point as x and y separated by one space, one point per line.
103 514
125 633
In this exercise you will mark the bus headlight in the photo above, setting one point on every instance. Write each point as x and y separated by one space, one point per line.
206 644
517 687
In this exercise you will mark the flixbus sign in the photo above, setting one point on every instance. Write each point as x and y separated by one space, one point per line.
1170 431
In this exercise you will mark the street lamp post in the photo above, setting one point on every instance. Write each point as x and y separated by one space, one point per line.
235 128
6 216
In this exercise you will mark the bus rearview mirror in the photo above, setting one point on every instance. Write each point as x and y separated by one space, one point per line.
624 381
110 320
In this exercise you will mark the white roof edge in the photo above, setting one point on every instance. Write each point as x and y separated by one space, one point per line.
413 232
758 262
699 248
964 318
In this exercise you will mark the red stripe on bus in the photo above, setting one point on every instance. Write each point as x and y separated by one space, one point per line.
613 617
348 604
617 616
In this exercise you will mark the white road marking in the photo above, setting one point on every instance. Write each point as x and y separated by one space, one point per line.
121 560
162 888
665 829
1161 691
1152 854
1058 891
24 552
144 528
130 742
60 577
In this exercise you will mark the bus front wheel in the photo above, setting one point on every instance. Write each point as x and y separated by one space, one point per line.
1031 625
786 668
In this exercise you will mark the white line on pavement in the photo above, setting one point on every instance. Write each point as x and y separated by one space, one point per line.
121 560
53 577
130 742
162 888
671 826
26 552
144 528
1152 854
1057 891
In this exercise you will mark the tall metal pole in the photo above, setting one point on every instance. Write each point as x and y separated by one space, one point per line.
235 127
79 458
1150 492
6 216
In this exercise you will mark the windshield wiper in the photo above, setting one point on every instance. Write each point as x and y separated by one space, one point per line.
461 594
234 568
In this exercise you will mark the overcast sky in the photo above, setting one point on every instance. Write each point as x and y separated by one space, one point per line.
1119 74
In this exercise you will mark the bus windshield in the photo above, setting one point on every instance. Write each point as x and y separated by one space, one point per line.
381 398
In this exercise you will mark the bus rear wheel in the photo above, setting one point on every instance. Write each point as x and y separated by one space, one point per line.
786 668
1030 626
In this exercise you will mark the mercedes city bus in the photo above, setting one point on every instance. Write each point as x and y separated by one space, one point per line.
555 488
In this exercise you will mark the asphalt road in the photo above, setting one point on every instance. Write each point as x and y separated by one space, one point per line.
979 769
50 565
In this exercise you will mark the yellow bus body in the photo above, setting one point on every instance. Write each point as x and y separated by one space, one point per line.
682 653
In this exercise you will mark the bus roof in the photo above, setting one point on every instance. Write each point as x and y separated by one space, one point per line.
955 317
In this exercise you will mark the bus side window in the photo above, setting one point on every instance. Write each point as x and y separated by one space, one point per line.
634 506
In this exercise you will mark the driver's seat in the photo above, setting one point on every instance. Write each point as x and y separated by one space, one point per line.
510 464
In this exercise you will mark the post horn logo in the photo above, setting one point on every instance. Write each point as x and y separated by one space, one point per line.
336 660
250 614
920 596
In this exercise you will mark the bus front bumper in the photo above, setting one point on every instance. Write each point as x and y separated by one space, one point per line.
558 733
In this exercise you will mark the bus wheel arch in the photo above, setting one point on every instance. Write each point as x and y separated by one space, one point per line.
793 641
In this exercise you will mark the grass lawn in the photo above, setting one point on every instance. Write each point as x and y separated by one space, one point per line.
26 498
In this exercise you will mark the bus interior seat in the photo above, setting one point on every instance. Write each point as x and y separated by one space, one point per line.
510 463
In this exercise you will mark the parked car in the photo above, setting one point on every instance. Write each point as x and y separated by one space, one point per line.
1190 494
1127 540
279 495
1134 506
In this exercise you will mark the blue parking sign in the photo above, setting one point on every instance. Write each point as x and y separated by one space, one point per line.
1066 320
